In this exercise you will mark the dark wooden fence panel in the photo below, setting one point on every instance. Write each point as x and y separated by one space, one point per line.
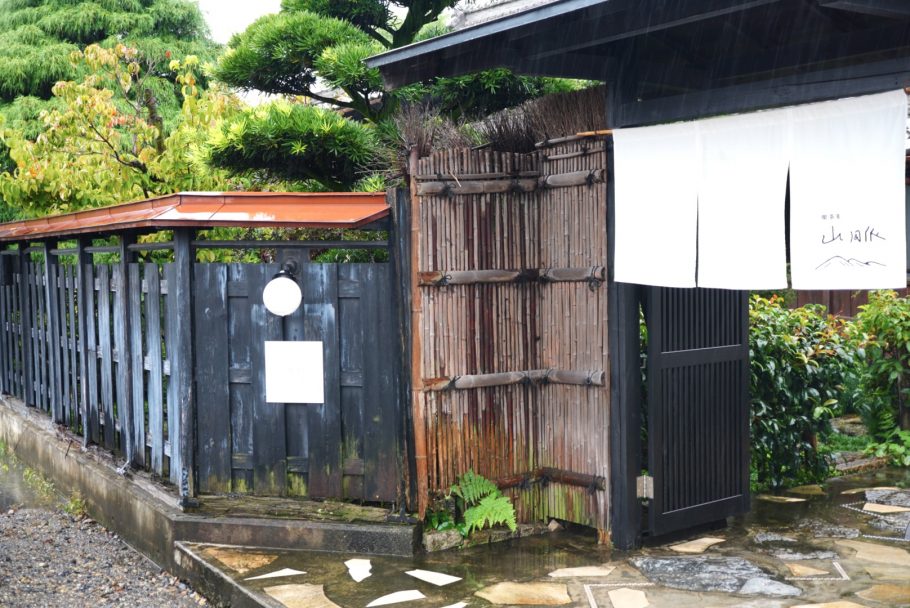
347 447
102 348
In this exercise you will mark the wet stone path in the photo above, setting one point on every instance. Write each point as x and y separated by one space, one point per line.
837 546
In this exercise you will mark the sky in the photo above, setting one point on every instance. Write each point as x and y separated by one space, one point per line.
226 17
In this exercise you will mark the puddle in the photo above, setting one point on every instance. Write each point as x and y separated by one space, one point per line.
788 543
21 488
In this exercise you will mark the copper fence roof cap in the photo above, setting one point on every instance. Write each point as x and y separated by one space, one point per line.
211 209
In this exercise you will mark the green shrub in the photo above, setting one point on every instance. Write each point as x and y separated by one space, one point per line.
886 318
895 447
803 362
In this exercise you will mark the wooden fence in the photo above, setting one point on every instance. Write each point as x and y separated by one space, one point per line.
510 354
99 348
162 364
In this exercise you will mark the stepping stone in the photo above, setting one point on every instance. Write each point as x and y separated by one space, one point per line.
435 578
780 499
880 554
840 604
699 573
240 562
359 569
864 490
276 574
696 546
458 605
773 537
796 556
768 587
583 572
801 570
628 598
824 529
301 596
881 572
892 595
526 594
873 507
888 496
398 597
813 490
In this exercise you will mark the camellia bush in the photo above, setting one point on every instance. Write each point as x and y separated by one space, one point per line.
886 318
804 363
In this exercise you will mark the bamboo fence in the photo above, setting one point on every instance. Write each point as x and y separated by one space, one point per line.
511 252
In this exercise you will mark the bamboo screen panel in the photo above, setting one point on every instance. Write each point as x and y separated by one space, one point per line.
508 432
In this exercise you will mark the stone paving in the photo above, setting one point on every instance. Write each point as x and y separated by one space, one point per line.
826 550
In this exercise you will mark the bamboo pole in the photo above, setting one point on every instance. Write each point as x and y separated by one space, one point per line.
417 397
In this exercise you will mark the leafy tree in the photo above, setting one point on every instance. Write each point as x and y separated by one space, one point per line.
315 49
37 38
104 145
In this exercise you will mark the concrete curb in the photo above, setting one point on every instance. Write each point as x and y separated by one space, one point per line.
147 517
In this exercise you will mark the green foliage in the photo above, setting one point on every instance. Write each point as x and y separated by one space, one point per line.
305 141
38 36
471 488
886 318
482 503
475 96
39 484
76 506
104 141
314 43
895 447
801 362
492 510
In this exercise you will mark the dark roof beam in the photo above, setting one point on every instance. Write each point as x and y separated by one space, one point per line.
570 65
833 83
638 20
896 9
832 47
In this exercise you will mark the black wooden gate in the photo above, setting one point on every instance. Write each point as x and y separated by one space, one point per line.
698 406
348 447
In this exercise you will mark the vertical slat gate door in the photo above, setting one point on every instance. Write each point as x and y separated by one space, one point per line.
697 406
347 447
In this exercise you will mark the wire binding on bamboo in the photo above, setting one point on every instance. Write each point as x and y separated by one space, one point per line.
594 276
534 376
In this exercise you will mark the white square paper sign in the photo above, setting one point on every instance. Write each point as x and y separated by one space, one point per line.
293 372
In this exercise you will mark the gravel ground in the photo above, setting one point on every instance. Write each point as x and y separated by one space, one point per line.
50 559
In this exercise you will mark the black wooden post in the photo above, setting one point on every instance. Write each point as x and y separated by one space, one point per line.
400 258
6 325
625 380
121 340
55 385
83 258
25 326
181 359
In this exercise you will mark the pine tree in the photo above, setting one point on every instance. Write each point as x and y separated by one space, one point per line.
38 37
315 49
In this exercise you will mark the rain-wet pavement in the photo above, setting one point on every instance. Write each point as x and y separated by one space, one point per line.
826 547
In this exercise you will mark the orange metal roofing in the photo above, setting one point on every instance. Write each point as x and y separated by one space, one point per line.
210 209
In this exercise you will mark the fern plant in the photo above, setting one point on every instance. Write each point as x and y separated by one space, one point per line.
471 488
492 510
482 503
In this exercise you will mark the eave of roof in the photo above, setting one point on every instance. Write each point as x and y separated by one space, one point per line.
667 60
209 210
